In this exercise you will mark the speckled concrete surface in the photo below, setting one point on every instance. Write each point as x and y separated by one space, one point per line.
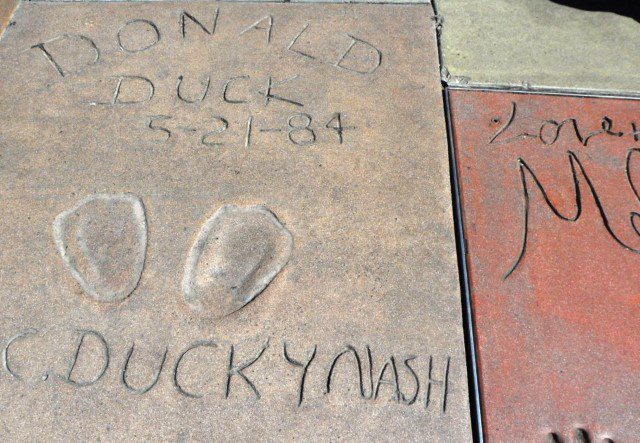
227 222
550 207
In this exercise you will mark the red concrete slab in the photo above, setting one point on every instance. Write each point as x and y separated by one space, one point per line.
550 194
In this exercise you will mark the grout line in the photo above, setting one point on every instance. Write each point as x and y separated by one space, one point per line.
475 405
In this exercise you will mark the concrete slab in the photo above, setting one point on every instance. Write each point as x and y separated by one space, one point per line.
227 222
538 44
549 189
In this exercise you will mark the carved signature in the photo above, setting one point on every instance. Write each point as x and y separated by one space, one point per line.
577 168
548 133
549 130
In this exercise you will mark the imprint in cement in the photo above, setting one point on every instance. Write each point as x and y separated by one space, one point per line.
237 253
103 242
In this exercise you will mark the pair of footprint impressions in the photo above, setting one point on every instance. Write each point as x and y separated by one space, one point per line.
237 253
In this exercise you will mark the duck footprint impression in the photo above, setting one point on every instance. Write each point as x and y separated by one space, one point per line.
103 242
236 255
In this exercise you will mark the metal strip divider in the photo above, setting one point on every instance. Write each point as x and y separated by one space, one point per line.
465 290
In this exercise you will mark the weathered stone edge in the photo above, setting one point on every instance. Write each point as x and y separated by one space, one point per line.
393 2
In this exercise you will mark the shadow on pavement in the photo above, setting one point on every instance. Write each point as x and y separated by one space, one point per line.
628 8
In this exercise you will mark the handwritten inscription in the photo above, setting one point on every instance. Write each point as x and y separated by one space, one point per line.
395 380
72 54
548 131
299 129
548 134
141 34
61 45
239 89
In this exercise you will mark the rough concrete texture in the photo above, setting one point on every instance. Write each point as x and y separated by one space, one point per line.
227 222
537 44
6 11
549 187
